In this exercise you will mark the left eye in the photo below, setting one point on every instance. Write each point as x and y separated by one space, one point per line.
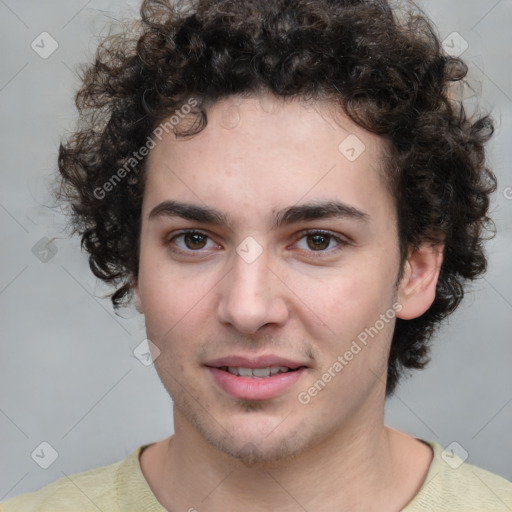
319 241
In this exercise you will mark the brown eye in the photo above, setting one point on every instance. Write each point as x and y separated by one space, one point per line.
191 242
194 240
318 241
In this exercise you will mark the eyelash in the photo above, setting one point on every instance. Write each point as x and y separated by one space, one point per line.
315 254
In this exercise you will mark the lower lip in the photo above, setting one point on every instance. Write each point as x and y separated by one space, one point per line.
255 388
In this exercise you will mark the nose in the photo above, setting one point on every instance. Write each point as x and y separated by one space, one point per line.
252 296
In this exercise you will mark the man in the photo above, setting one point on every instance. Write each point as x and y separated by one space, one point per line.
294 199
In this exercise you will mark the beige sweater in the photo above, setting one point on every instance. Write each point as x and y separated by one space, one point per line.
450 486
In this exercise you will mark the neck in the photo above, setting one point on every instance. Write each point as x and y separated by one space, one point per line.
360 467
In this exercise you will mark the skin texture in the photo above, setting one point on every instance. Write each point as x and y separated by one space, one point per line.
256 156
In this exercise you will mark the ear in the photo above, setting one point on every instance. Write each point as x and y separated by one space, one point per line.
417 288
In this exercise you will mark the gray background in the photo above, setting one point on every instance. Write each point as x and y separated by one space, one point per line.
68 375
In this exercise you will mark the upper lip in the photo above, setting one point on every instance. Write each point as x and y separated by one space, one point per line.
263 361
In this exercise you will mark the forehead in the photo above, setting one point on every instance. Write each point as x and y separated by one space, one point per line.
264 152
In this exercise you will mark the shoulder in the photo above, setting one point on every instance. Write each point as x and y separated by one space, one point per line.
454 485
90 490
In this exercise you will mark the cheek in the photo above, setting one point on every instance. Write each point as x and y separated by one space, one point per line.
348 294
164 294
350 303
175 310
166 307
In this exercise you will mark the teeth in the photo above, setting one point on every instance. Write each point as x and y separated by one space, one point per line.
257 372
261 372
245 372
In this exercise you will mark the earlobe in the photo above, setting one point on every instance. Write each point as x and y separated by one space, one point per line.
417 288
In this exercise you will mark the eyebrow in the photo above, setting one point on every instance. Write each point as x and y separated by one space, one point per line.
287 216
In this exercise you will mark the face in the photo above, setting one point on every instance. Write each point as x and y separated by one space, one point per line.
267 246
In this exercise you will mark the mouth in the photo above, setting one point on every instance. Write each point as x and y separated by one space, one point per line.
258 373
255 379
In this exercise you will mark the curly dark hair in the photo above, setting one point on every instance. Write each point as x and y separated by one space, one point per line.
385 68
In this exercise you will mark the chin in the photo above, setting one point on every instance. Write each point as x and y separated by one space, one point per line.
253 440
261 450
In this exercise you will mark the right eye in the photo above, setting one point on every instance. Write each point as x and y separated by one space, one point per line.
190 241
